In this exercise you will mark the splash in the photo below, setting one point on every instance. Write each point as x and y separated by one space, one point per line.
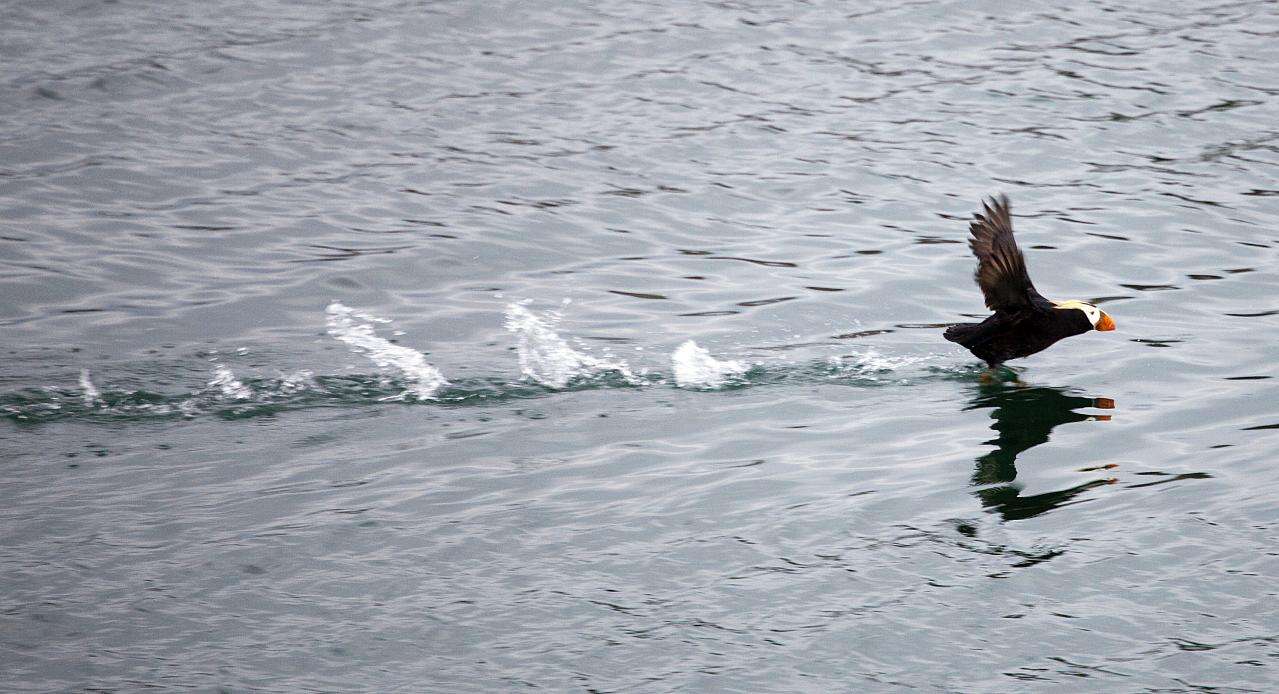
546 358
871 362
296 382
355 329
91 396
228 385
695 367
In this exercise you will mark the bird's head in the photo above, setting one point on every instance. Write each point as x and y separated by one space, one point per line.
1100 319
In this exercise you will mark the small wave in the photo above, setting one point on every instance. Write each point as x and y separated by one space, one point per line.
546 358
355 329
694 367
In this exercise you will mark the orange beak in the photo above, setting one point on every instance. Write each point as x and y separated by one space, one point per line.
1106 322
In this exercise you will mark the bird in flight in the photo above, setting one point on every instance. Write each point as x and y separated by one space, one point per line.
1023 322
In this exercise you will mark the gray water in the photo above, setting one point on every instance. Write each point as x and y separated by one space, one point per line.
472 347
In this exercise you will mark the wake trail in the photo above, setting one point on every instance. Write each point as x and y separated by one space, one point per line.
547 363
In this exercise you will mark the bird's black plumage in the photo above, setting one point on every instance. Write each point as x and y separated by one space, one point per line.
1024 322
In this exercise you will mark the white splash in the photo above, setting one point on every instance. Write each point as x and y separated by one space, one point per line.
355 329
92 398
189 408
695 367
229 385
296 382
874 365
546 358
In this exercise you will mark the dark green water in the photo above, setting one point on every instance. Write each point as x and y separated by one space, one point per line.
482 347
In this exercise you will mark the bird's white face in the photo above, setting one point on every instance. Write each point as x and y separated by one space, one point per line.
1096 316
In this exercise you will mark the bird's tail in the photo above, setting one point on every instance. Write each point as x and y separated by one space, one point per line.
961 332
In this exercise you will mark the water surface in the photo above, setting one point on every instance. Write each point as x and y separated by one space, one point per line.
397 346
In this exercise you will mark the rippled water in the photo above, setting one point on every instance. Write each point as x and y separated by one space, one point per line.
451 346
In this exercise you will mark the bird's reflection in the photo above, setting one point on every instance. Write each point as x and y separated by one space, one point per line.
1024 418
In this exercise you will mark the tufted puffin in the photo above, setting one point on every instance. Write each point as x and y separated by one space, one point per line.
1024 322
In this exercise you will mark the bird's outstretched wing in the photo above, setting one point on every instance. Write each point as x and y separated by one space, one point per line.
1001 268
